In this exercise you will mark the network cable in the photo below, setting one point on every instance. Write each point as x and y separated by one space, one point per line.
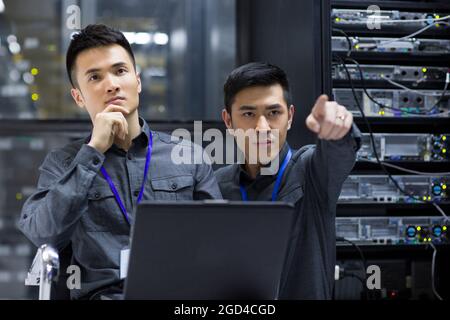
420 173
405 37
372 19
349 42
399 85
424 112
409 36
363 260
433 266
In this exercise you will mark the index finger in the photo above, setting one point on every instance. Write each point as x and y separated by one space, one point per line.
116 108
319 107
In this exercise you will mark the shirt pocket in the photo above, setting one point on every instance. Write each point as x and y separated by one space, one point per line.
104 213
292 194
173 188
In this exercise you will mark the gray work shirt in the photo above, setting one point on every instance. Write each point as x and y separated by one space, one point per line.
74 203
312 182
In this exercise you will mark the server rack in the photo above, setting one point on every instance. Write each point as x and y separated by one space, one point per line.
399 74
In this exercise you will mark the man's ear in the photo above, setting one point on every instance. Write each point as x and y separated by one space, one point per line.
226 117
138 77
77 97
291 112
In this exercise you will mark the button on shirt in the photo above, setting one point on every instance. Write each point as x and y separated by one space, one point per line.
74 205
312 182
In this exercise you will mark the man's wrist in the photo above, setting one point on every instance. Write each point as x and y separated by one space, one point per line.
95 146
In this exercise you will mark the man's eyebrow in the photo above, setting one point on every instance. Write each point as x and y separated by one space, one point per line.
275 106
245 107
92 70
115 65
119 64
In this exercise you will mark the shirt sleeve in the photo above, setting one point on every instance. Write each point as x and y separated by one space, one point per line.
331 163
50 215
206 184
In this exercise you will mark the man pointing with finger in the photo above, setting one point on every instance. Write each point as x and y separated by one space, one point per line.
257 98
88 190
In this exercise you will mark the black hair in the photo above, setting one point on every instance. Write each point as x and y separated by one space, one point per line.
251 75
94 36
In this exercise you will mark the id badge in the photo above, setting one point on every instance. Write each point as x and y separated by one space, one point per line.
124 257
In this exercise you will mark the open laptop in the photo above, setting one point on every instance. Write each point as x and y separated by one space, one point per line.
209 250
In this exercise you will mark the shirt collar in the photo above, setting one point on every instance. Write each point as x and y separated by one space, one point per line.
145 131
244 178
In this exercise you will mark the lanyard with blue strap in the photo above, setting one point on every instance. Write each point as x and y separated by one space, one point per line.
277 182
141 193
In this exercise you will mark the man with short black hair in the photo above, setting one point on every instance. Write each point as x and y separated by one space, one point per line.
257 99
88 190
